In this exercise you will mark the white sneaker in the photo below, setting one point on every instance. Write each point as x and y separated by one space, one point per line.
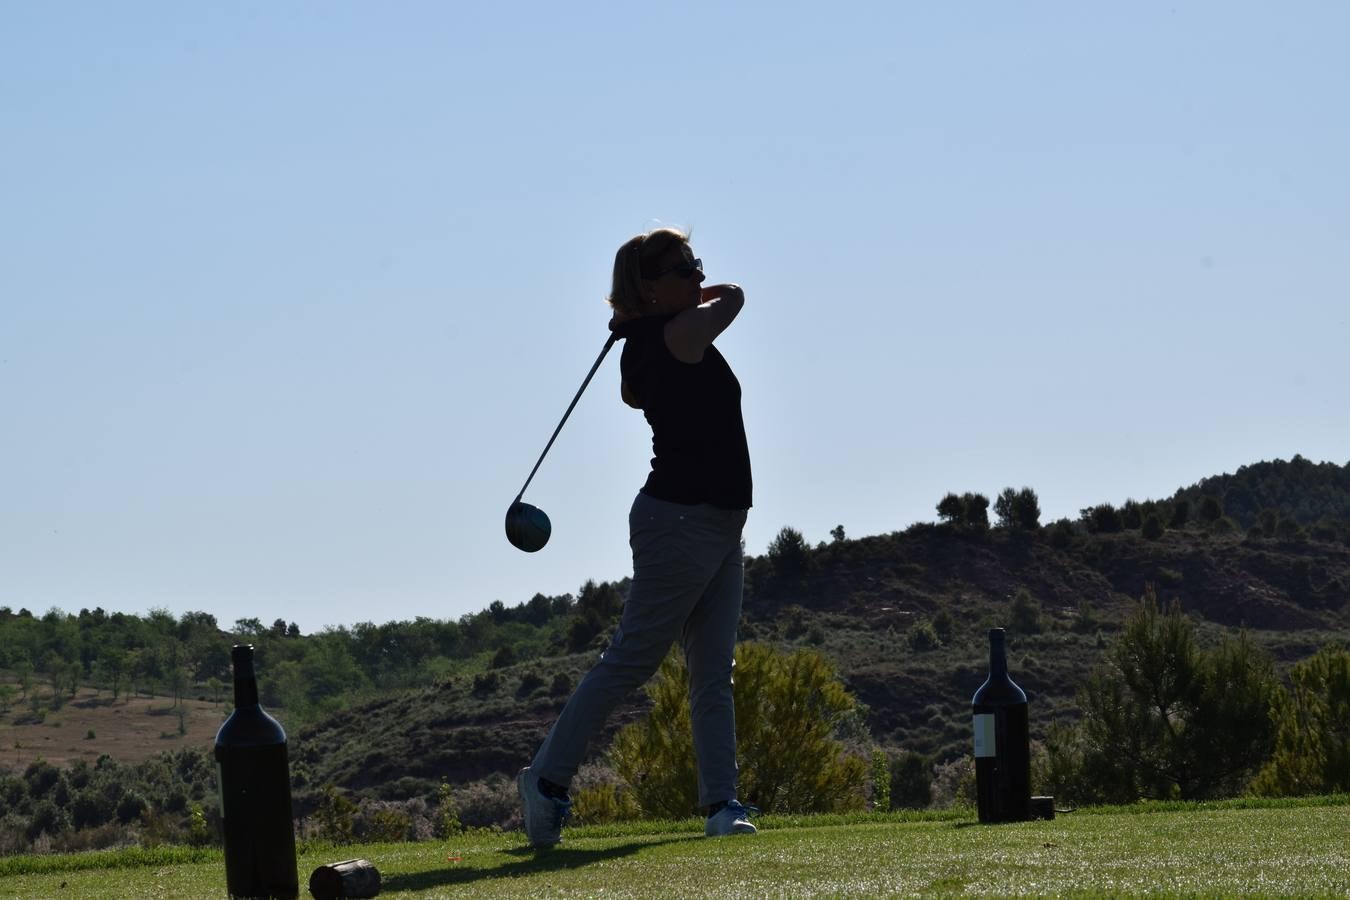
730 819
544 816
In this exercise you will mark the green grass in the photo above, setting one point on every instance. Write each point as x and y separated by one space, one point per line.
1221 849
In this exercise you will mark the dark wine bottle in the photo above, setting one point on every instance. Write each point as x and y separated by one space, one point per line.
1002 744
255 793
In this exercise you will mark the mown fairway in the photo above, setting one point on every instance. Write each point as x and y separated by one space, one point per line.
1221 849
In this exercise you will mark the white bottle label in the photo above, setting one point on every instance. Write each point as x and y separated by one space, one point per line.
984 735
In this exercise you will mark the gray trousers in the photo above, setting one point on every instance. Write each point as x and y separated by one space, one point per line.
688 574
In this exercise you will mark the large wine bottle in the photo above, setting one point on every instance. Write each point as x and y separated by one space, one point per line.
1002 745
255 793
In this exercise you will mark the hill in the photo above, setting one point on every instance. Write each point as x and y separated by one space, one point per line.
904 616
389 710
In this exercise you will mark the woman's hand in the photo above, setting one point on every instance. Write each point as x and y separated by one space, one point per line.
619 317
718 291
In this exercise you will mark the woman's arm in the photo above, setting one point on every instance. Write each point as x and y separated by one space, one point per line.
690 333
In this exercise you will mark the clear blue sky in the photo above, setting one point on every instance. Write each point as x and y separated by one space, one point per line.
292 295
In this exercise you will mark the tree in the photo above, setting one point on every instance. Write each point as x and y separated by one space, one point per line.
1018 510
837 533
1162 718
951 510
966 512
976 512
1103 519
789 553
1312 743
790 709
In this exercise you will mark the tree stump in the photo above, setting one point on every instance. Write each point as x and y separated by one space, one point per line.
349 878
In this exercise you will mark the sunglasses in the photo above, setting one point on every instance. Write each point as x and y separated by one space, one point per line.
684 270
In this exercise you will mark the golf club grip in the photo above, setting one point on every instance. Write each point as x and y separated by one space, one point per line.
589 375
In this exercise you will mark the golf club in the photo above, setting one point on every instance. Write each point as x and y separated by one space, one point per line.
528 527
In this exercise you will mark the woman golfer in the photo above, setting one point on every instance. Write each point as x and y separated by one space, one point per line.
684 529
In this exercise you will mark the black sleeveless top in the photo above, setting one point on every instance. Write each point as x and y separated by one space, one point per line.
698 436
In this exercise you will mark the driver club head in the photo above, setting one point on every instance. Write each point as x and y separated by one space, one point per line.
527 527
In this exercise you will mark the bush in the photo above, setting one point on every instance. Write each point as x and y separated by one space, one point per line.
1061 534
487 803
881 781
911 781
1153 527
789 708
923 636
1312 744
561 685
1025 613
603 804
954 783
336 816
447 815
529 683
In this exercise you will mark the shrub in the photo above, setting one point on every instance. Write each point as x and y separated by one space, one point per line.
486 683
1181 514
954 783
605 803
561 685
881 781
1312 744
1152 527
447 815
1086 621
943 626
493 801
336 815
47 818
911 781
1024 616
923 636
385 821
529 683
1061 534
789 708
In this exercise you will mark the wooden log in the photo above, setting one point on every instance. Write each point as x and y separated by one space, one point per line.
349 878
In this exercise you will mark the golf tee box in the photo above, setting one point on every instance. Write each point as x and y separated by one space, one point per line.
349 878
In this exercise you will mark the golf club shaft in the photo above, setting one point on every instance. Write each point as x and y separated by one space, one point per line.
599 359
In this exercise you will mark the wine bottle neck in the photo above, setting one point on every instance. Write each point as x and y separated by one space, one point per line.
998 658
245 691
245 683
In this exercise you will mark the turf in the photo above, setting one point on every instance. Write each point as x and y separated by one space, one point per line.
1289 849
